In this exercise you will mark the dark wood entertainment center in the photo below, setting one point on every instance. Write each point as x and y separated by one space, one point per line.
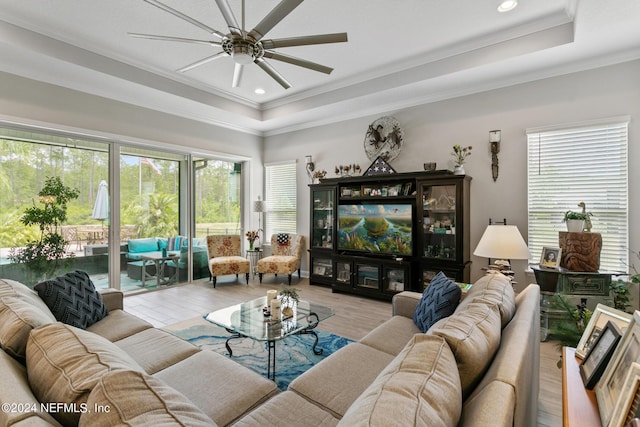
379 254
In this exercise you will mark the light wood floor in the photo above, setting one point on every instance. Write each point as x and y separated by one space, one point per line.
354 318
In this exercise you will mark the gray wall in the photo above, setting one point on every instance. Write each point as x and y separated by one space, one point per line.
431 130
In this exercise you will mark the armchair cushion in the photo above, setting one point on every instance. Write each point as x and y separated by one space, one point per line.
285 258
221 266
278 264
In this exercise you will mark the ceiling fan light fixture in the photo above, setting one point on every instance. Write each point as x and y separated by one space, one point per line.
507 5
242 54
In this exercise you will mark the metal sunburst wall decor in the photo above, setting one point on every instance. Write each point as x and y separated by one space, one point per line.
384 139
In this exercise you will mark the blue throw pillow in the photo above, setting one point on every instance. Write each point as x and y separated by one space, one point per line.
73 299
438 301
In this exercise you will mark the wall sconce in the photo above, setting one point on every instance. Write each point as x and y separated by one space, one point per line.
310 167
494 140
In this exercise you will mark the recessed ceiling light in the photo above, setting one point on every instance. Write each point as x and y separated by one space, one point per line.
259 91
507 5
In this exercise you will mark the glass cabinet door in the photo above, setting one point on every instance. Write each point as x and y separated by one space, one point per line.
322 218
439 221
367 276
395 279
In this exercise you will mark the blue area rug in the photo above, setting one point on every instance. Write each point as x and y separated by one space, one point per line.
294 354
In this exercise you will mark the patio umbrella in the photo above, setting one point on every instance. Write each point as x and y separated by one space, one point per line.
101 206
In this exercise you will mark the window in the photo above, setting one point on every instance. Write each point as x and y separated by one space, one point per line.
588 164
281 199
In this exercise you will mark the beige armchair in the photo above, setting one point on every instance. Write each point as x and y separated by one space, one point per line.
224 257
285 257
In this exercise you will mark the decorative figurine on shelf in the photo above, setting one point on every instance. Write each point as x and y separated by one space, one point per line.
587 221
252 236
347 170
460 154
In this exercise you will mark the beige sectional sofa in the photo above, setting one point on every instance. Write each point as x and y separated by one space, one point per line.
478 367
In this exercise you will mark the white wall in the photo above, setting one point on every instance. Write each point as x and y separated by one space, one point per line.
431 130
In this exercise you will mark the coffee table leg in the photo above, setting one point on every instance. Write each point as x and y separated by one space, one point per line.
312 320
271 362
233 336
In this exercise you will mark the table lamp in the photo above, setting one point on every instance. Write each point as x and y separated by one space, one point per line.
502 243
259 206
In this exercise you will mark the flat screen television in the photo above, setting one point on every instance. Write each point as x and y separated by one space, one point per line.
377 228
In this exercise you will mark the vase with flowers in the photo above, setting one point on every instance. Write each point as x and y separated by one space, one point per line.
460 154
252 236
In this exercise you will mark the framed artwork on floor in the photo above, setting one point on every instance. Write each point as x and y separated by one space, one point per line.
627 352
601 315
626 408
596 360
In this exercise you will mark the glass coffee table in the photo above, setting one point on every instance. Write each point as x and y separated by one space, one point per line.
247 320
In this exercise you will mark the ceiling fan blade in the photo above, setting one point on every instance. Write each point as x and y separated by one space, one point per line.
229 17
237 75
305 40
278 13
273 73
181 15
202 62
173 39
297 61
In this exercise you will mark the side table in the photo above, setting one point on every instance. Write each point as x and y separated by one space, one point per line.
253 255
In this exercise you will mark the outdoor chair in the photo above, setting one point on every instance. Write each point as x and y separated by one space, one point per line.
286 255
224 257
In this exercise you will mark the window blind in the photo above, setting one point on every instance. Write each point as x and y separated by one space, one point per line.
580 164
281 199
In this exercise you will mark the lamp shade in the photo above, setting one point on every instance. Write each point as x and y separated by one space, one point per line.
502 242
258 206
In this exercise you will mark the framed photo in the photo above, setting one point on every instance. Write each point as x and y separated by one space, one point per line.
626 408
596 360
601 315
611 383
550 257
319 270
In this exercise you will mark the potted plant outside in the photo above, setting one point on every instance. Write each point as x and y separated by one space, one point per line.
575 220
45 254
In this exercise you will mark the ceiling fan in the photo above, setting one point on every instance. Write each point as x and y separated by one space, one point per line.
246 47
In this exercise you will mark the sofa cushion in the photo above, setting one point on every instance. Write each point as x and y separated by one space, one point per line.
17 289
221 387
14 389
154 349
17 318
137 399
118 325
343 377
421 386
474 337
73 299
391 336
65 363
438 301
493 288
143 245
287 409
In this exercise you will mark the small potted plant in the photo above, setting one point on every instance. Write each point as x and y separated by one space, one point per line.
575 220
289 298
460 154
